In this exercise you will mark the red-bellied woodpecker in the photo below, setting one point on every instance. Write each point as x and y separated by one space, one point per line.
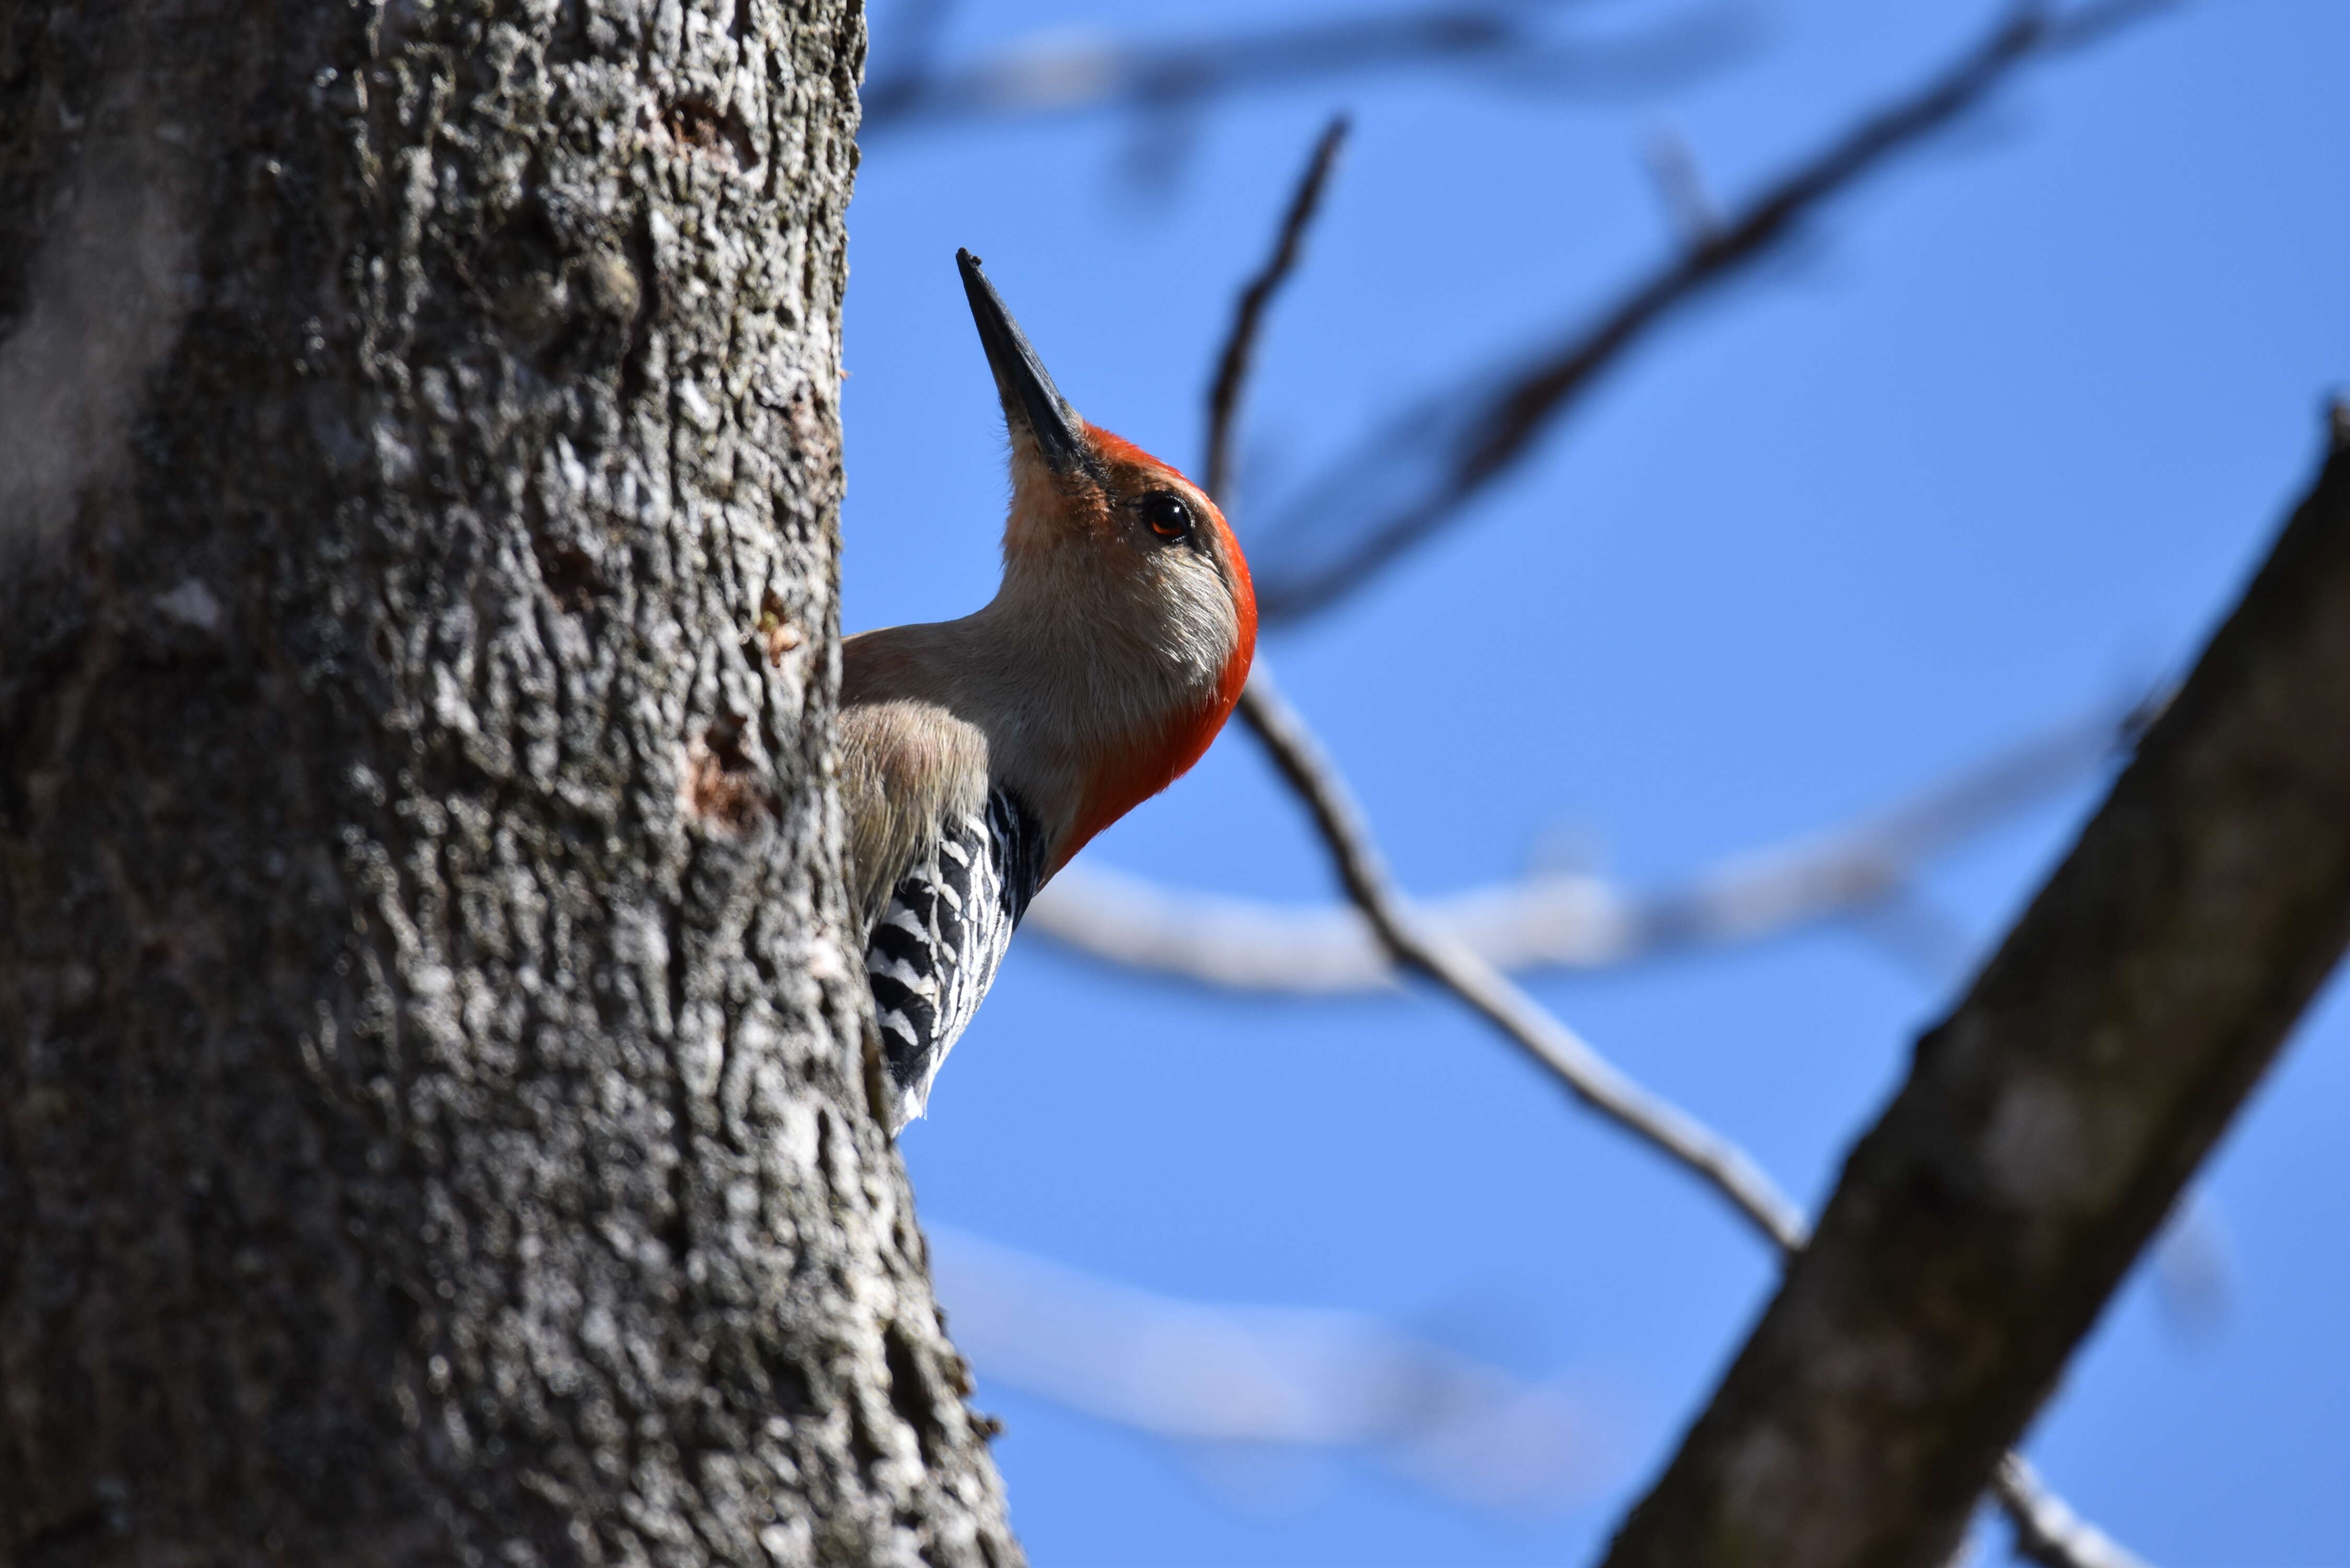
979 754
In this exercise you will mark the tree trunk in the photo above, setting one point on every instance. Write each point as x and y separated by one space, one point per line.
433 1124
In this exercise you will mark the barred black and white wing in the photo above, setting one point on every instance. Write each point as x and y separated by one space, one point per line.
933 951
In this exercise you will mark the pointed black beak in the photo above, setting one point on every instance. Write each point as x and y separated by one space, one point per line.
1031 401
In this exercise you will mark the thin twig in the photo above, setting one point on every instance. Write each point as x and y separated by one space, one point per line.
1418 473
1586 1075
1240 347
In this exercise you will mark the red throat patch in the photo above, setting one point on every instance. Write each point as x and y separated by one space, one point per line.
1150 768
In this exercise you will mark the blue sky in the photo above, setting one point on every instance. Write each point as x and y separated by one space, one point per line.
2001 435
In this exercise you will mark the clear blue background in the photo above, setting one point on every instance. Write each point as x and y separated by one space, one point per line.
2004 433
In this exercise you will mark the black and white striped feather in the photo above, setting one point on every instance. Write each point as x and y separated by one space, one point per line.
934 951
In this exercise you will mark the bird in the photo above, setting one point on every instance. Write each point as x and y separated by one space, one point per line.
977 755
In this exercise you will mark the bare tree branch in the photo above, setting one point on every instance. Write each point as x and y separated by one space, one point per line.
2050 1122
1573 919
2044 1527
1240 346
1418 473
1585 1074
1064 71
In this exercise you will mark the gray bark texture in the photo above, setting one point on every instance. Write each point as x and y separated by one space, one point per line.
2050 1121
433 1124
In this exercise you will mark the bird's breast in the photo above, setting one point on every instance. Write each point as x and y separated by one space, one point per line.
1125 776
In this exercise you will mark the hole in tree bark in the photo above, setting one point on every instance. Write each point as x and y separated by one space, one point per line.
722 785
695 122
910 1394
569 574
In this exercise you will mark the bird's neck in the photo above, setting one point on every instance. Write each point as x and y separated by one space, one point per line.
1109 696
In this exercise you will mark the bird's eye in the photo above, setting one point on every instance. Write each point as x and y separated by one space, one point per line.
1169 517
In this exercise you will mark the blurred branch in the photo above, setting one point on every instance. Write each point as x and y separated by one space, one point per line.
1069 70
1296 1377
1680 186
1419 473
2050 1122
1240 346
906 52
1575 919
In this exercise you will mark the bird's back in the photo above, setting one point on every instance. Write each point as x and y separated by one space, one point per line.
942 862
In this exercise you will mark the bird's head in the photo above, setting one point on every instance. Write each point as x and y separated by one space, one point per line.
1117 556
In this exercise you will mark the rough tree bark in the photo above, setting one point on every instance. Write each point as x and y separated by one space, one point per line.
2050 1121
432 1127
